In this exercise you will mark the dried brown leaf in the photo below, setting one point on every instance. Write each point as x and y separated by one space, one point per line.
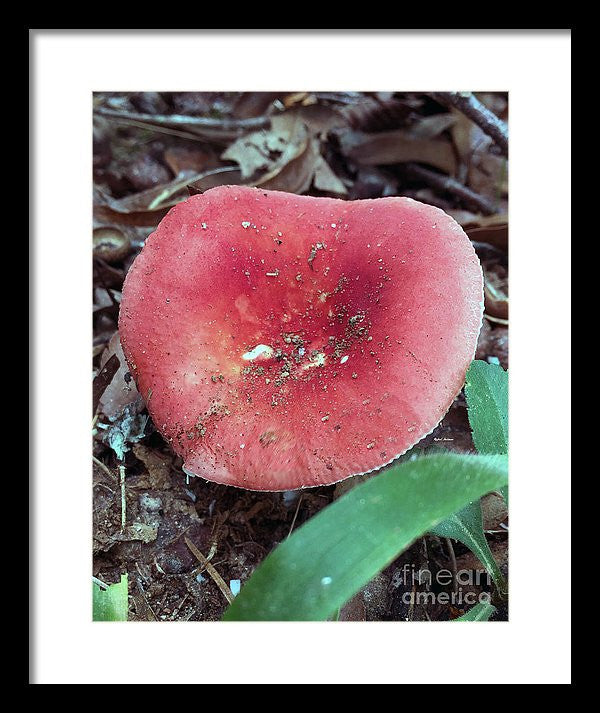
250 104
496 102
157 465
325 179
466 136
470 221
488 174
376 113
373 182
121 390
319 119
223 176
493 342
269 150
133 209
391 147
469 561
431 126
301 98
103 379
496 235
496 293
493 510
147 208
110 244
296 175
182 159
482 171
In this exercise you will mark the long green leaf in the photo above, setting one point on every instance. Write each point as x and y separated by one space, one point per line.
480 612
467 527
111 604
327 560
486 390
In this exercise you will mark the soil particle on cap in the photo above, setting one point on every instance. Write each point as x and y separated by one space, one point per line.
267 438
215 412
313 253
342 282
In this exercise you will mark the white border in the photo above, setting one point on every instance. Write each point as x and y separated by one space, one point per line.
534 647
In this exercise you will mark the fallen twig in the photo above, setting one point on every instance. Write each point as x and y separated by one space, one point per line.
99 582
103 379
149 609
123 497
486 120
496 320
216 577
451 185
221 128
453 560
295 515
104 467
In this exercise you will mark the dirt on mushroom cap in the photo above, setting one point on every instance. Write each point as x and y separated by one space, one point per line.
292 341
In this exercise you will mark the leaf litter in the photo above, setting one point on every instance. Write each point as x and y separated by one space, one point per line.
151 151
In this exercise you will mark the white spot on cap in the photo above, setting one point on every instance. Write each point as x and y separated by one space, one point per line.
344 359
325 581
317 359
260 351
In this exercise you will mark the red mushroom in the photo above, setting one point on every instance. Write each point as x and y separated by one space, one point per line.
285 341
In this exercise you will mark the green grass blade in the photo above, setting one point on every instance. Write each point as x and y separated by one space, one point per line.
111 604
328 559
466 526
480 612
486 391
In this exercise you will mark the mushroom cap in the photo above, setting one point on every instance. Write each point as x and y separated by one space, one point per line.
286 341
